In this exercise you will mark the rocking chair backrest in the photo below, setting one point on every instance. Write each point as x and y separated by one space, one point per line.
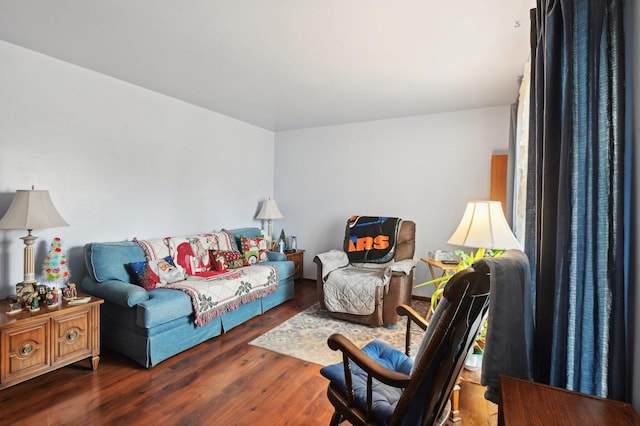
449 337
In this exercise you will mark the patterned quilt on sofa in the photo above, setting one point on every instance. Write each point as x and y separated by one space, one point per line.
213 296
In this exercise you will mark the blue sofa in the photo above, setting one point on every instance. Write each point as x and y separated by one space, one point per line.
151 326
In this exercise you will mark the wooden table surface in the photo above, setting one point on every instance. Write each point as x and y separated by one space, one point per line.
528 403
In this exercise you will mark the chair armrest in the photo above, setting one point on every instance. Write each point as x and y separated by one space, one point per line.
411 314
352 352
331 260
404 266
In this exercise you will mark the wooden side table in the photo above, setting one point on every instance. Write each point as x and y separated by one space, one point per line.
297 257
35 343
447 268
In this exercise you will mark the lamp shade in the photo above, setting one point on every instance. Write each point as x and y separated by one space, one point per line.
483 225
32 209
269 210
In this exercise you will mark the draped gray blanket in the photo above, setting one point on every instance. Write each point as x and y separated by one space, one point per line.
351 288
508 345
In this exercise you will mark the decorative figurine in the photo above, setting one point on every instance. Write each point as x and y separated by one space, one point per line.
70 292
34 303
49 298
41 291
14 308
26 299
56 295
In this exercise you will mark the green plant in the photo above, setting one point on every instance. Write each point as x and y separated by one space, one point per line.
466 260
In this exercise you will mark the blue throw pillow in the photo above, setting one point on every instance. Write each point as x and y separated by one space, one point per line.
108 260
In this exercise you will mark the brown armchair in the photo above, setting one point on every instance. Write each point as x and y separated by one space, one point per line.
387 298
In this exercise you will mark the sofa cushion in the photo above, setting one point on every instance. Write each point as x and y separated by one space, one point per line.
254 250
156 248
158 272
107 260
226 240
285 268
226 259
244 232
183 253
164 305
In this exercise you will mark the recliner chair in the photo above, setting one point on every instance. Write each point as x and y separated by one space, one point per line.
387 298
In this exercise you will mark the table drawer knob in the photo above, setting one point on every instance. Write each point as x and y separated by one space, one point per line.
26 349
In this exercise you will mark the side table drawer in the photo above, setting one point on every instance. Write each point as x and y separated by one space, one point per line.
71 337
24 351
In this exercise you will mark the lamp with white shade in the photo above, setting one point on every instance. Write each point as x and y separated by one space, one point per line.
483 225
31 209
269 211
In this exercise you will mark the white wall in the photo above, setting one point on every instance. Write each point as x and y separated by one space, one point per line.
423 168
119 161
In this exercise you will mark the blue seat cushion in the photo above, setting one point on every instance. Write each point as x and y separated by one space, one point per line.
385 397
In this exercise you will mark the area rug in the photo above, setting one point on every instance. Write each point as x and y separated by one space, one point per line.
304 336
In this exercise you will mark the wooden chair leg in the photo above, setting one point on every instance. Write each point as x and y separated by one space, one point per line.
335 419
454 417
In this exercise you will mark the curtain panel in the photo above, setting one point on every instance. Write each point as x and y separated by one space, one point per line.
575 227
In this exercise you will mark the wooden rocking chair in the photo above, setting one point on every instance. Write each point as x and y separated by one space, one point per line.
382 385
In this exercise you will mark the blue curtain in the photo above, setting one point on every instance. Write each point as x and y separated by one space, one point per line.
575 234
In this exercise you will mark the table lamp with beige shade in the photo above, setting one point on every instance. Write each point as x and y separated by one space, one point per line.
269 211
31 209
483 225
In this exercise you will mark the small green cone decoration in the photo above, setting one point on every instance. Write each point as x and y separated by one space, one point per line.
54 267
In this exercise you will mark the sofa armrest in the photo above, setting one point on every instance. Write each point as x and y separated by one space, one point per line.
117 292
276 255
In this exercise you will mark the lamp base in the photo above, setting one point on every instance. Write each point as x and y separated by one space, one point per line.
25 288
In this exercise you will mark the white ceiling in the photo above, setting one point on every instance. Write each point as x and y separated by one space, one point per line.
285 64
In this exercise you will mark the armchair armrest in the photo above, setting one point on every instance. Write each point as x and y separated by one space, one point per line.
276 255
117 292
404 266
372 368
330 261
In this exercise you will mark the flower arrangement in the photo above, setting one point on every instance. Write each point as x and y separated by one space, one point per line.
54 267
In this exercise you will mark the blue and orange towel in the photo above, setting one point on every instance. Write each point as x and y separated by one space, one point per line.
371 239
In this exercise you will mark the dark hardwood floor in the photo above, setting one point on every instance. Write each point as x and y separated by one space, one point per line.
223 381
